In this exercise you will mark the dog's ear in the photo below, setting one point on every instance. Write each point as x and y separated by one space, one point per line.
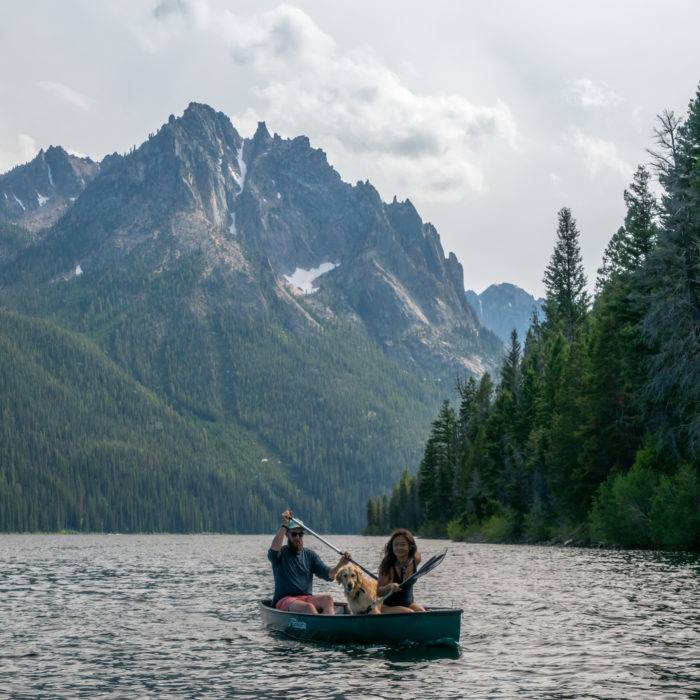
339 574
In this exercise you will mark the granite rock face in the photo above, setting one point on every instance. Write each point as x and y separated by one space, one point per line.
263 213
35 195
503 307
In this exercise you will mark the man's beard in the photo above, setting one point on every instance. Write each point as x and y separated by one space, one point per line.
296 546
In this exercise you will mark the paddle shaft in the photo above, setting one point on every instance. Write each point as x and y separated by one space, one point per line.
328 544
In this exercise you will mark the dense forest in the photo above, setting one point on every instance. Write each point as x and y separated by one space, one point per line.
114 429
592 433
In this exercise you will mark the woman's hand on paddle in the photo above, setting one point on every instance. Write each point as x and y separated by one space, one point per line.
345 558
388 589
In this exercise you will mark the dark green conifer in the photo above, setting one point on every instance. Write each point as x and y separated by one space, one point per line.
566 300
671 280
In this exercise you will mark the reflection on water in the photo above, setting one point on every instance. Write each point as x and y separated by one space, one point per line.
84 615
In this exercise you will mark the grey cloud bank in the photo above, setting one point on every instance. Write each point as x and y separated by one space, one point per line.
488 118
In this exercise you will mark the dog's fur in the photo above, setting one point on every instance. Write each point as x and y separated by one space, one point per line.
360 590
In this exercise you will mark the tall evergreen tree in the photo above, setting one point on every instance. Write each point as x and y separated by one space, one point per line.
613 425
631 244
566 300
510 371
672 281
437 471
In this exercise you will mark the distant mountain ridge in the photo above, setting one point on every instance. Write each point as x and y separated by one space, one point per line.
268 206
503 307
36 194
181 262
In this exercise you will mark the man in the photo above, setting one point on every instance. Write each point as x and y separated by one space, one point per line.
294 567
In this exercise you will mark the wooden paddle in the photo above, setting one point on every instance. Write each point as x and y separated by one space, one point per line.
295 522
425 569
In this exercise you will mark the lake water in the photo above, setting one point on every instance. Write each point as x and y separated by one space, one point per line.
176 616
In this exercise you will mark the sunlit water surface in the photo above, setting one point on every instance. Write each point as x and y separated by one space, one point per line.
176 616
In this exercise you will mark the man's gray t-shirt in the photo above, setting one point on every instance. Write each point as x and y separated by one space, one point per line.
294 573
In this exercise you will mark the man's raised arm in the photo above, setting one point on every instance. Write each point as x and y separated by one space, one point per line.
278 540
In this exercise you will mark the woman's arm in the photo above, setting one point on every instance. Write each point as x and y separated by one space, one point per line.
385 585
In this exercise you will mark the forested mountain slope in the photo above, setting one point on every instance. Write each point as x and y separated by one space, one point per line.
297 331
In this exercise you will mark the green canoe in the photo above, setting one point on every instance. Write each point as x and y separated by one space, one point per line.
437 626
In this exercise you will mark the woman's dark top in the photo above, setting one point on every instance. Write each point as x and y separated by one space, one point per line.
405 595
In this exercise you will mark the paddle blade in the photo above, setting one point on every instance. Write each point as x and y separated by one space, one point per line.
427 567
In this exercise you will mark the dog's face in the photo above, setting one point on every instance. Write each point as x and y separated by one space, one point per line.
360 591
349 578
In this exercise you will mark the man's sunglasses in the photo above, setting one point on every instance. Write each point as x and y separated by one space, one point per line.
296 534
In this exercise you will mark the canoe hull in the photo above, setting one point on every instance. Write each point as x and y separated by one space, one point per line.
437 626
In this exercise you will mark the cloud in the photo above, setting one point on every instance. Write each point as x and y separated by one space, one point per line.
14 151
598 154
585 93
432 145
67 94
168 20
428 146
281 40
167 8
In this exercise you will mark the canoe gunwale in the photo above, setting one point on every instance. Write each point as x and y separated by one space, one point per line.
436 626
267 603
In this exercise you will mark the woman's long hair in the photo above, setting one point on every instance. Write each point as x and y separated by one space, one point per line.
387 565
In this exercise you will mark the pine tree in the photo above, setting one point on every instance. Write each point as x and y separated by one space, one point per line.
567 300
672 280
510 371
565 480
446 435
631 244
507 425
613 426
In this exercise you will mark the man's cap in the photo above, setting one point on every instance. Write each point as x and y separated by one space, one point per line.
295 526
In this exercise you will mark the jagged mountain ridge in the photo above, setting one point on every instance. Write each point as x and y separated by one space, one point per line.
263 207
503 307
176 261
36 194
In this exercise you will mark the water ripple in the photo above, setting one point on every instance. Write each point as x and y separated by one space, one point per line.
176 616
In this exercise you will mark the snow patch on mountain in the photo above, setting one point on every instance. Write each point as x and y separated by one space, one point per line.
240 179
304 279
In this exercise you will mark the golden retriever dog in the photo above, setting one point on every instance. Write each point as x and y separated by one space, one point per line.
360 590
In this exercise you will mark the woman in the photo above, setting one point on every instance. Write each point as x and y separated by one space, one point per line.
401 559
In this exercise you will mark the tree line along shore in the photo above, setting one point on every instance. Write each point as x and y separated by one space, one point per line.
592 433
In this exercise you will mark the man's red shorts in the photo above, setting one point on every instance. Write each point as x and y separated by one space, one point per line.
284 603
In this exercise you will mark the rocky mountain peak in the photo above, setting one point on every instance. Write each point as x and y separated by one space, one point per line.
36 194
201 127
261 133
197 187
503 307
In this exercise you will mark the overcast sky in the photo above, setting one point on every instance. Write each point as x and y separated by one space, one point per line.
489 117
